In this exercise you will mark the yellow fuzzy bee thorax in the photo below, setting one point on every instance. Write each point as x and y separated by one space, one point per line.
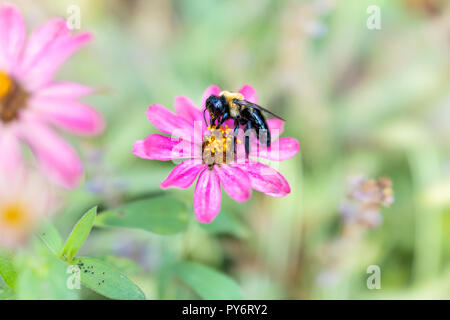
230 96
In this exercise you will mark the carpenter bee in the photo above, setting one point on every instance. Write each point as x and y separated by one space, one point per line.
232 105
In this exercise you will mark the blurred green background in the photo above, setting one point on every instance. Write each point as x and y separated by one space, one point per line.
360 101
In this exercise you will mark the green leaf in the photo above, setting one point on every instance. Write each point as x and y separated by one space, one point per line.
45 278
208 283
51 237
106 280
122 264
7 270
79 234
162 215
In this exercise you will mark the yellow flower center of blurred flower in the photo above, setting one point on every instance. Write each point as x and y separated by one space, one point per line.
5 84
14 215
217 146
13 98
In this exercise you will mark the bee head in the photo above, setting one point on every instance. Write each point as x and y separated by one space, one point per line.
215 106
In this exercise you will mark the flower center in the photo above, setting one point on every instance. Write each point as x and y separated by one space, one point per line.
217 146
13 215
13 98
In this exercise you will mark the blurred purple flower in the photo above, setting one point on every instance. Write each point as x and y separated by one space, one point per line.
365 199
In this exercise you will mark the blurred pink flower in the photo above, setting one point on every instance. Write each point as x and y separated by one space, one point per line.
25 201
31 103
207 154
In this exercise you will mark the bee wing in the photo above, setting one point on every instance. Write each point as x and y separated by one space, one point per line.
255 106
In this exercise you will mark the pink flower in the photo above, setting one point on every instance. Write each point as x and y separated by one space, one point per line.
207 155
32 104
25 201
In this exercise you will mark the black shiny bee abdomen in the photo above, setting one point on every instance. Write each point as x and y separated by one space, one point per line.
257 122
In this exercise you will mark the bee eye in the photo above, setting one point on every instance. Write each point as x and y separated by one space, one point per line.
213 103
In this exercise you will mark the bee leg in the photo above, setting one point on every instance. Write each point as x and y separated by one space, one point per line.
264 136
235 134
212 123
260 137
222 120
248 131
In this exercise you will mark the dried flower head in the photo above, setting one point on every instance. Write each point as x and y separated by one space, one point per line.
366 197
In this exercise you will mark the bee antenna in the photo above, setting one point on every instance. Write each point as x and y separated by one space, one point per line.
204 117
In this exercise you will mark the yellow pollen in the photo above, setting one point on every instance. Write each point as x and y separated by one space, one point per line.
5 84
217 146
14 215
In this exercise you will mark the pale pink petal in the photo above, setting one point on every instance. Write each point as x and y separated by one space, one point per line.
64 90
207 196
168 122
249 93
184 174
12 36
235 182
211 90
43 39
159 147
56 157
69 115
42 71
10 152
276 127
266 179
280 150
186 109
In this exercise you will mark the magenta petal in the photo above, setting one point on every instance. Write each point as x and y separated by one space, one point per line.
45 64
64 90
186 109
184 174
159 147
267 180
249 93
207 196
69 115
168 122
288 147
12 36
280 150
10 152
235 182
56 157
211 90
